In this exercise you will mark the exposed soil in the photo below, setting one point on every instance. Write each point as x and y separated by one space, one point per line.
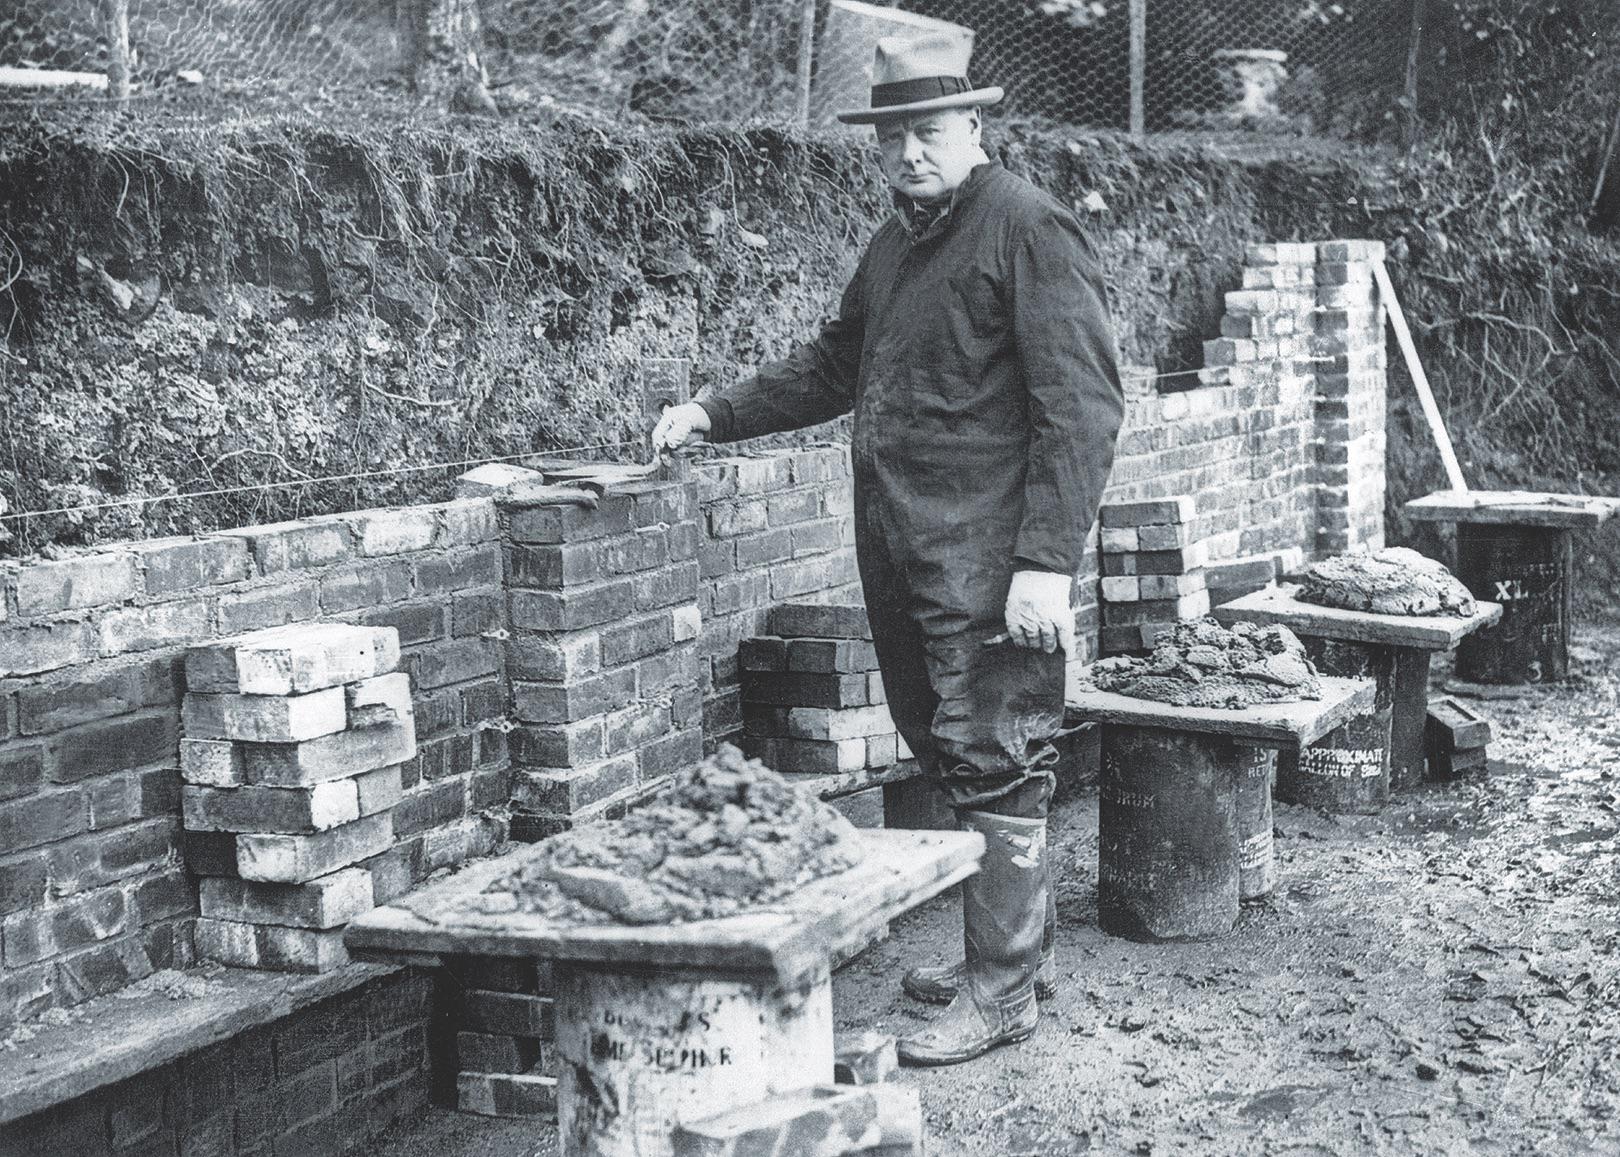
1439 979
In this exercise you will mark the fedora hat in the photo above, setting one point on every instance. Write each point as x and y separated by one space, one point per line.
920 74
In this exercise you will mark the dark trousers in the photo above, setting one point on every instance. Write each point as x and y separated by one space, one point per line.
979 719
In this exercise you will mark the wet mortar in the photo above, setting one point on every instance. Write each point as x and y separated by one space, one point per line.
1201 663
1441 979
1394 581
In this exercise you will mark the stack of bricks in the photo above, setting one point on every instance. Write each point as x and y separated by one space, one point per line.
291 760
1152 572
504 1036
1350 398
602 651
813 701
1456 739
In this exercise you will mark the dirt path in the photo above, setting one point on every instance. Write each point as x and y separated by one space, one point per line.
1441 979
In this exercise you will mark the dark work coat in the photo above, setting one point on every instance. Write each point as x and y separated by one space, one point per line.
981 367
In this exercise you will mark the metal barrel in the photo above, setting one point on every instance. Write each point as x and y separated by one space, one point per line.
1347 770
642 1049
1167 846
1257 863
1409 713
1527 569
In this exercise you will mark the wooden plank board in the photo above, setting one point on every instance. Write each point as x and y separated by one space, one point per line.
836 784
1288 726
119 1036
1424 632
1514 507
901 869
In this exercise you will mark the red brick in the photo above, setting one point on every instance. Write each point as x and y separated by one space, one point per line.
416 622
566 522
817 537
455 572
636 726
114 745
47 647
731 593
665 587
755 550
548 703
295 545
565 745
507 1094
817 573
430 806
793 507
22 769
270 607
742 516
508 1012
295 859
164 897
455 662
157 625
828 656
397 531
365 586
89 697
476 614
554 567
801 690
559 659
185 564
572 609
570 790
22 885
822 621
829 1119
265 718
716 557
675 752
480 1052
88 580
137 847
334 756
327 902
636 639
210 853
75 923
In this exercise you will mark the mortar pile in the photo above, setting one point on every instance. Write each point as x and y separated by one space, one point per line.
729 834
1200 663
1395 581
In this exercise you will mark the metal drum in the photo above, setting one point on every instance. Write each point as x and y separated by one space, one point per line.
1347 770
1527 570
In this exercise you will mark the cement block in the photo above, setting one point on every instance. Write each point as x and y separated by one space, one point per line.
264 718
493 476
327 902
293 660
291 859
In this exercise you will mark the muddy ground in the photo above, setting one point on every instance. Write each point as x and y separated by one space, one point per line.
1440 979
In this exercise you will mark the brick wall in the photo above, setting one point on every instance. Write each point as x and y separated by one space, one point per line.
94 891
775 528
320 1082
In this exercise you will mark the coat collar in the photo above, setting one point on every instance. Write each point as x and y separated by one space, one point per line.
923 222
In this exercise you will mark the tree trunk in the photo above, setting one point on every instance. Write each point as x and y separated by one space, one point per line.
441 40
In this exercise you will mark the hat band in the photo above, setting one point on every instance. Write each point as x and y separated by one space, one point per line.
916 89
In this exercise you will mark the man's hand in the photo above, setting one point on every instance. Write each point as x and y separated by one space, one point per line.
1038 612
681 426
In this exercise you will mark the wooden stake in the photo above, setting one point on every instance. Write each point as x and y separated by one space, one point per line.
117 32
1431 411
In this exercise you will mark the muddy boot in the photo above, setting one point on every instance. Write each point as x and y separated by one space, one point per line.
1003 916
939 984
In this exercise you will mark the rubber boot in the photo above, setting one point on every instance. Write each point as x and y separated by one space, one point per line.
1003 917
939 984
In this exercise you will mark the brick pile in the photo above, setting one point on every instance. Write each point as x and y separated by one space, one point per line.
294 738
1456 739
1152 572
504 1036
813 700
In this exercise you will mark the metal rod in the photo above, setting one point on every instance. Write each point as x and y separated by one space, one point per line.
1138 68
1431 410
807 54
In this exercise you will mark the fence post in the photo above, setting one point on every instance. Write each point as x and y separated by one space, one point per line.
116 18
1138 68
807 52
1410 92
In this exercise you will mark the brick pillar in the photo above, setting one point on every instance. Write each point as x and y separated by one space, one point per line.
602 649
1351 387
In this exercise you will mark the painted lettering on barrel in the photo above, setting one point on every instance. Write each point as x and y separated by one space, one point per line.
1342 762
1255 852
630 1040
1118 795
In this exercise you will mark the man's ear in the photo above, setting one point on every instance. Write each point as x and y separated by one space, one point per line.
978 124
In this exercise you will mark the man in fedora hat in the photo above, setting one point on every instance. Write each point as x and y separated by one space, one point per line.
974 347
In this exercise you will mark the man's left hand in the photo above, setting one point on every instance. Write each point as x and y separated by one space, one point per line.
1038 612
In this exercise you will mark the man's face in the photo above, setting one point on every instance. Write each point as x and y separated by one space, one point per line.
927 156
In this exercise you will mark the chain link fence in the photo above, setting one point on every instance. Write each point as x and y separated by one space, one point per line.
1323 67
